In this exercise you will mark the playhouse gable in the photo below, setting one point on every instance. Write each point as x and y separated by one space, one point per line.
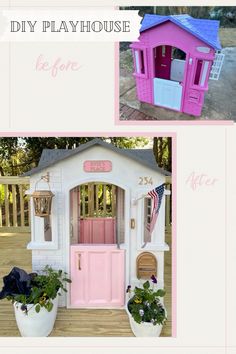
98 163
100 149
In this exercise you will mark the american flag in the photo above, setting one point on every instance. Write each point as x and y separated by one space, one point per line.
156 194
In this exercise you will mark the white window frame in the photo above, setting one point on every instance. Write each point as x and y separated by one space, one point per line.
156 242
146 212
204 73
38 241
137 61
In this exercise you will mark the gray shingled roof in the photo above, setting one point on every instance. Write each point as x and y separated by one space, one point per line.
50 157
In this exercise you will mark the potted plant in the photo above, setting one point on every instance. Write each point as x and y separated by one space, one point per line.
35 299
146 312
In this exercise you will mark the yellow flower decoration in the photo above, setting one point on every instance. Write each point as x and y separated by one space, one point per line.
137 300
42 299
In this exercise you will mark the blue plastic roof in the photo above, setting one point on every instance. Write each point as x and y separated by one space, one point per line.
205 30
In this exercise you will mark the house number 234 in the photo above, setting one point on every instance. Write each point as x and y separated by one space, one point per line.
144 181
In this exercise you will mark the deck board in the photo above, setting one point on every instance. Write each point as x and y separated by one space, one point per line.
70 322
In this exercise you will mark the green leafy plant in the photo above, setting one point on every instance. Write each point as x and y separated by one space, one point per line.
145 304
36 289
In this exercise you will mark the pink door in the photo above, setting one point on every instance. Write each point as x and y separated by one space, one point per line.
162 58
97 274
98 230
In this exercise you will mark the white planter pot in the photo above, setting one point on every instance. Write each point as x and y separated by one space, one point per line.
35 324
143 329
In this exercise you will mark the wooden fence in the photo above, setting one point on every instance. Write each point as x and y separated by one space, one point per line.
14 204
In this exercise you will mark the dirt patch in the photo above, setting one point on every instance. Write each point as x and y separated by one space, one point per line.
228 37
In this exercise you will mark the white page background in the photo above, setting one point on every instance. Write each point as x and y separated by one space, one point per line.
206 232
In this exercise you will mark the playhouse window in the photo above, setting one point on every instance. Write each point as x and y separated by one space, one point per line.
45 234
204 73
201 72
198 72
139 61
163 51
47 229
147 219
177 53
147 211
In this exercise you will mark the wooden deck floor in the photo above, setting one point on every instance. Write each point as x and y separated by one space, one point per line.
70 322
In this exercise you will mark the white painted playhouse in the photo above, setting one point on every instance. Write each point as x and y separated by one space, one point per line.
97 228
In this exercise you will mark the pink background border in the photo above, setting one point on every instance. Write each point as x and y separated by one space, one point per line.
174 192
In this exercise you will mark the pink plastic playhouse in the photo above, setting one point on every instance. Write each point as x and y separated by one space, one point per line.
174 60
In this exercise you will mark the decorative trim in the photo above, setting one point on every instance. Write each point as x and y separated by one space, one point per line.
203 49
97 166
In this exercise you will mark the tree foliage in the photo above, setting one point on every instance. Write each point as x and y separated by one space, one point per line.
195 11
18 155
162 149
225 14
9 150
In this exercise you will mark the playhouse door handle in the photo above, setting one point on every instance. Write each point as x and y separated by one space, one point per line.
79 259
164 65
